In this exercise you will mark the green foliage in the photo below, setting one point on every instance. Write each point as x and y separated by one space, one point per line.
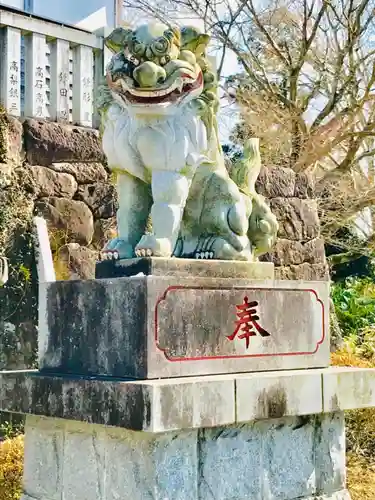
354 302
10 430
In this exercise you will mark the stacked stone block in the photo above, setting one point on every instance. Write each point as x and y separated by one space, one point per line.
299 252
72 191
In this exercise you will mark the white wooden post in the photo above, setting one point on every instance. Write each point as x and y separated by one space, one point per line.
3 270
35 76
44 261
83 85
60 81
46 274
10 70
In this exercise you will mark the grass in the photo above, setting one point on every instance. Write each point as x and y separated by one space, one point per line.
361 477
11 468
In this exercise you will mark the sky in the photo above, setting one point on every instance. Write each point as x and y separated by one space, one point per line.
66 11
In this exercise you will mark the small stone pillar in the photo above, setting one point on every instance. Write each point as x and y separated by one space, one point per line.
185 380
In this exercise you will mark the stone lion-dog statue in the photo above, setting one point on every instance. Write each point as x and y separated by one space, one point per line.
158 108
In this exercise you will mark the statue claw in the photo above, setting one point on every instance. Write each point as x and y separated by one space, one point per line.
149 245
117 249
109 255
204 255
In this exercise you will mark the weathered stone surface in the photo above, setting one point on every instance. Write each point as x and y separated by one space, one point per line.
226 456
305 185
84 173
174 404
18 343
44 448
5 174
155 406
119 464
345 389
270 397
293 477
71 217
48 142
298 219
90 326
194 403
80 261
10 139
49 183
85 461
101 198
290 252
330 454
337 495
276 182
151 266
305 271
104 230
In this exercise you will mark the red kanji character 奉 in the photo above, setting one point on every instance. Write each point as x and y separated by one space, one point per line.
247 322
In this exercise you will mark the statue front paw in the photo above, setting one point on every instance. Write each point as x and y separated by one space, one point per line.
149 246
117 249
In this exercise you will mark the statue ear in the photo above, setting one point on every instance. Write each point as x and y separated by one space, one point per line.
204 39
118 39
173 34
192 39
202 42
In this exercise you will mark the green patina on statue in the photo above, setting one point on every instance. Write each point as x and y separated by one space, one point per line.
159 109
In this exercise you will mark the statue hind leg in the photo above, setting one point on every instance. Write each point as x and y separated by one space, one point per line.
134 206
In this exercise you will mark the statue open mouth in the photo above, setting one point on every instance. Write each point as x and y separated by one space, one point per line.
177 85
168 95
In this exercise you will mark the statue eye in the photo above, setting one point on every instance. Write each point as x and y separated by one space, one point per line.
161 45
138 48
164 60
134 60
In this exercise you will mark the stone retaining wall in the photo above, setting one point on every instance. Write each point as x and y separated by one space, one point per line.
59 172
299 251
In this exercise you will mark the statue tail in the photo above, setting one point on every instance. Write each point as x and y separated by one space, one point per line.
245 172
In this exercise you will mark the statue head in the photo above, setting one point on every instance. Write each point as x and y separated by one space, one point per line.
156 67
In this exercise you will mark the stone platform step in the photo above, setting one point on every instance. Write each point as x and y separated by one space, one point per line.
158 266
189 402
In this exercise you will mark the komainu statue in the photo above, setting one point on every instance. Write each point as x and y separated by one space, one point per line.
158 107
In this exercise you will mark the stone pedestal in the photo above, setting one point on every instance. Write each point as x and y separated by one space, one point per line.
161 385
289 458
154 326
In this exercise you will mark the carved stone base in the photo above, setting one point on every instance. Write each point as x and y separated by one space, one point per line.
148 327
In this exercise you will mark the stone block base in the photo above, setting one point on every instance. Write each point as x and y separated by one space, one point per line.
282 459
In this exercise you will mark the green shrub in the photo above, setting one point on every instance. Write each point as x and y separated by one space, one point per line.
354 302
